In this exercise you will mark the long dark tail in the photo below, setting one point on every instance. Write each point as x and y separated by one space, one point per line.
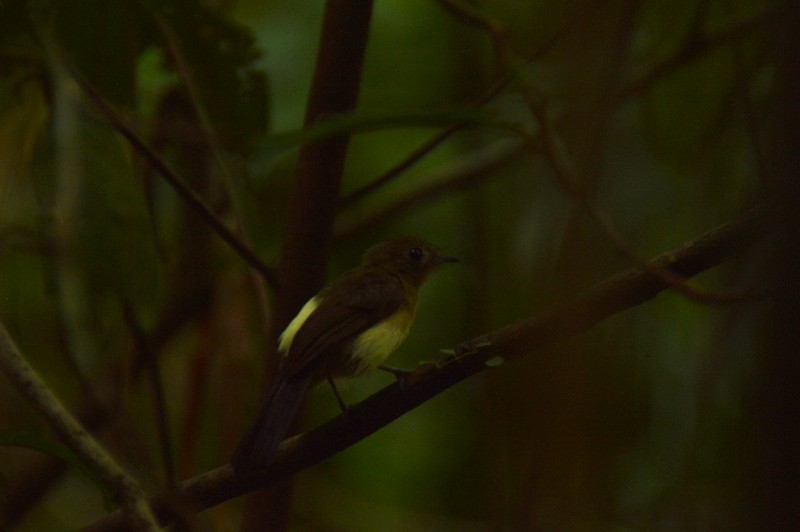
258 446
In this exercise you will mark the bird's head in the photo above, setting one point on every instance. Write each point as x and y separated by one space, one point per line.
411 257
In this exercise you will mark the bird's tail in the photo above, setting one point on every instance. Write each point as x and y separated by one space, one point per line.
258 446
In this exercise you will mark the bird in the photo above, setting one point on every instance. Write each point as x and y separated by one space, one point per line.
349 328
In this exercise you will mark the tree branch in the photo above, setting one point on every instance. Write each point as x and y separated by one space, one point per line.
312 204
694 46
466 171
620 292
126 491
189 195
572 24
557 154
313 199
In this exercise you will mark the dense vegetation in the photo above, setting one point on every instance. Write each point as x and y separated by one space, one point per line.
178 177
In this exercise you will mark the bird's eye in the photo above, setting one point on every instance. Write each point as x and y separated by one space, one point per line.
415 254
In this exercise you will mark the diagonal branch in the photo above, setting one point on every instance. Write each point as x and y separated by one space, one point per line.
189 195
557 155
466 172
126 491
693 47
620 292
572 25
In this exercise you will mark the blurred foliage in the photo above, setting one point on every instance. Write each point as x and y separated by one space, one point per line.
640 424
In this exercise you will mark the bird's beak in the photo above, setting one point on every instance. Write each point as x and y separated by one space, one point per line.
444 259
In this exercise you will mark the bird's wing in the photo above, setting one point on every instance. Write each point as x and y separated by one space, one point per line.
370 298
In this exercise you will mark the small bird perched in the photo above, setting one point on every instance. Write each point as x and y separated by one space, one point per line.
351 326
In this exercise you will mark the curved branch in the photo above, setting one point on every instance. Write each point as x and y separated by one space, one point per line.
620 292
466 172
694 46
572 24
557 155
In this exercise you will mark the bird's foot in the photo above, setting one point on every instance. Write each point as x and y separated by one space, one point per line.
344 406
399 373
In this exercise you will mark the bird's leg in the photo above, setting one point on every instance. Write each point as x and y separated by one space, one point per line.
399 373
342 404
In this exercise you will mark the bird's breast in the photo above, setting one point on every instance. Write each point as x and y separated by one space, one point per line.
373 346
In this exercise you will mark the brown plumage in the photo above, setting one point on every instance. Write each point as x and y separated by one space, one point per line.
349 327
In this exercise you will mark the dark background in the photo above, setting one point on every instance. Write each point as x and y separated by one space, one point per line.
674 117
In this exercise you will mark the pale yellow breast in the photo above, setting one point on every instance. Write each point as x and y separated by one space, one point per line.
372 347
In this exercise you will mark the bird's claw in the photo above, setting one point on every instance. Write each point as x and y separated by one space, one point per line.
399 373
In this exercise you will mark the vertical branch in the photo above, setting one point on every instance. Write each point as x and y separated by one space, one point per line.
159 401
313 200
312 204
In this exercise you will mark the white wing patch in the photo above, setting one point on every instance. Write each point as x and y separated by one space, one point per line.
288 334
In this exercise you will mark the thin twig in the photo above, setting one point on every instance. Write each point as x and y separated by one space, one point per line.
184 71
693 47
557 154
427 147
192 198
399 169
160 406
468 171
